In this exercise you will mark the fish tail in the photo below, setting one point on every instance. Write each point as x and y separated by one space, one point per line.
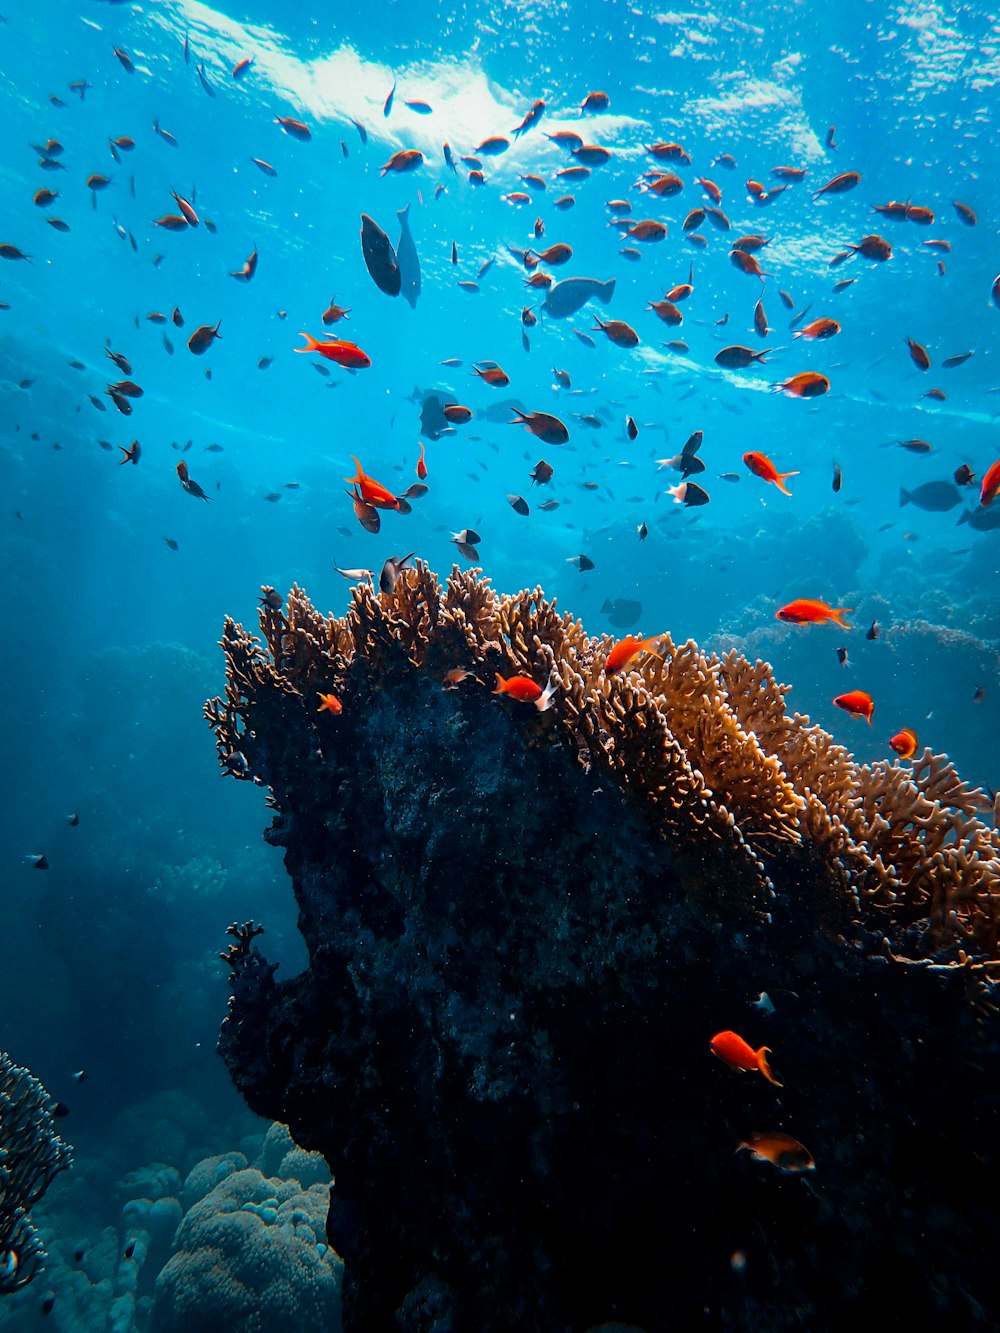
904 497
779 481
837 612
544 702
606 290
359 476
501 686
521 418
765 1068
311 345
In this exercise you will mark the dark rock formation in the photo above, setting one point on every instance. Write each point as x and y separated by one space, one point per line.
501 1046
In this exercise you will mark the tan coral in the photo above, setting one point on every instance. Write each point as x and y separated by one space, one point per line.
705 744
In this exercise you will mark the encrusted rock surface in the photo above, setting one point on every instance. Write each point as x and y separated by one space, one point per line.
501 1043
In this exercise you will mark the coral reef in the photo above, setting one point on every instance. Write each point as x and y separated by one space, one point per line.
524 926
251 1257
31 1155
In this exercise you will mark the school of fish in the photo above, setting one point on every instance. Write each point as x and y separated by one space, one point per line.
712 221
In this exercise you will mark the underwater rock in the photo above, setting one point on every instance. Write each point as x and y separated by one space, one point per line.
524 929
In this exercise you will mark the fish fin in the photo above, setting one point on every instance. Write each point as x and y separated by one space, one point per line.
779 481
311 343
501 686
544 701
765 1068
837 614
904 497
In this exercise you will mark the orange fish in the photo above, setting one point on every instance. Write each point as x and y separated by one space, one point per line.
731 1048
818 328
493 375
904 743
918 355
746 263
807 611
457 414
761 466
334 312
990 485
454 678
780 1150
189 483
407 159
627 649
620 333
372 491
524 689
421 465
806 384
338 350
331 704
857 703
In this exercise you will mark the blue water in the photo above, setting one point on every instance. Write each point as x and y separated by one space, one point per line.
110 956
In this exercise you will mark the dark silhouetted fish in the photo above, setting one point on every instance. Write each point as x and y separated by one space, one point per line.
622 612
567 297
433 422
937 497
983 520
407 260
380 258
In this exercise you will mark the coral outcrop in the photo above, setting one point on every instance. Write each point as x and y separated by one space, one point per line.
31 1155
524 927
251 1257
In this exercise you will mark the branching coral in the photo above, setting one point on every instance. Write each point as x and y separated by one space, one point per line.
729 778
31 1155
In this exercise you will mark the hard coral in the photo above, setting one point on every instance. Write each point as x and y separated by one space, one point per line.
251 1257
31 1155
703 741
525 926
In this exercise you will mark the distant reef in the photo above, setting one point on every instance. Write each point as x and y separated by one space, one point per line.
526 925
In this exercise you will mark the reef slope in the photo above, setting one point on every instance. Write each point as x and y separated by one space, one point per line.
519 954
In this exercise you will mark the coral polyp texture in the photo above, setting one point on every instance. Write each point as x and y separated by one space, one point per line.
31 1155
525 925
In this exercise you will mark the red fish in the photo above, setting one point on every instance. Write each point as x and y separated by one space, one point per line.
807 611
737 1054
990 485
806 384
421 465
904 743
627 649
338 350
330 704
818 328
781 1150
918 355
524 689
188 482
372 491
761 466
857 703
407 159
